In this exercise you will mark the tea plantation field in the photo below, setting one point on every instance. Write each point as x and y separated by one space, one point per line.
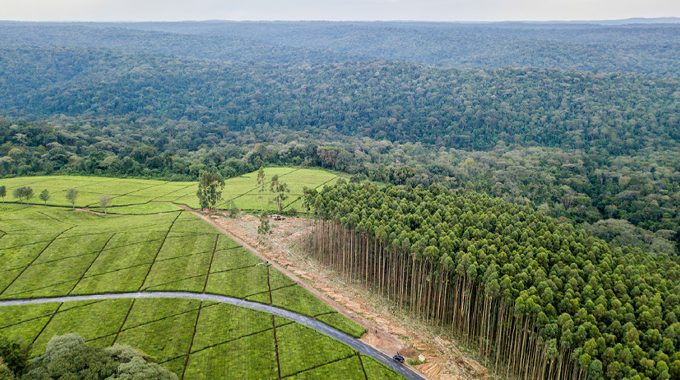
242 190
54 251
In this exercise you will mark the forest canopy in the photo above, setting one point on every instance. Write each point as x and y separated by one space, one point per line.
538 298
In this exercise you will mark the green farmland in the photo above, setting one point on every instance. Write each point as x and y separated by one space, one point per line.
54 251
242 190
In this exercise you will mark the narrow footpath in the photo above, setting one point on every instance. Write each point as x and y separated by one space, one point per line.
321 327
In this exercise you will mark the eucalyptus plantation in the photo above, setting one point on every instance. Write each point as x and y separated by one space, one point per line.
538 299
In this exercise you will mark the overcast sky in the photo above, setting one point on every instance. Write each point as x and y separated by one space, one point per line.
426 10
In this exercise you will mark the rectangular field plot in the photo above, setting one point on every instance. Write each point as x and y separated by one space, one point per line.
165 338
233 258
126 200
185 273
222 323
239 283
251 357
121 187
17 251
91 320
188 223
50 279
25 331
147 310
73 246
141 209
299 300
176 245
27 219
12 315
346 369
161 189
24 322
301 349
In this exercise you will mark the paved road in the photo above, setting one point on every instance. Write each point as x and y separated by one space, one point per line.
321 327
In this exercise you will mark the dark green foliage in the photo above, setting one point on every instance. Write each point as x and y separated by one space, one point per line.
24 193
461 108
489 269
651 49
71 196
265 227
210 190
45 196
279 189
13 356
69 357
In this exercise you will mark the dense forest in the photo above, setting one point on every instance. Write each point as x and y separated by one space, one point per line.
536 298
532 171
595 148
642 49
468 109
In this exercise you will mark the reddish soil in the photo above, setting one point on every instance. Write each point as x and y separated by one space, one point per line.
388 330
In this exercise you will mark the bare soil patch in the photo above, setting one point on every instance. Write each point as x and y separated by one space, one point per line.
389 330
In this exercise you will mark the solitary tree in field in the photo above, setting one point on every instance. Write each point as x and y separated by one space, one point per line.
105 201
72 195
24 193
3 193
232 209
264 228
260 184
210 189
279 189
45 196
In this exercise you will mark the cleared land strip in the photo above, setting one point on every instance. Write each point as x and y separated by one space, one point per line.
312 323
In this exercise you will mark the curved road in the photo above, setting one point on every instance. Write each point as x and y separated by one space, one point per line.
321 327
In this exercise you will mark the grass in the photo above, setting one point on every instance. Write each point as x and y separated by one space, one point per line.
342 323
229 341
141 209
376 370
301 349
136 196
54 251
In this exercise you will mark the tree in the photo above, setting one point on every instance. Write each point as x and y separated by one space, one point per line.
264 228
260 184
232 209
45 196
279 189
71 196
105 201
14 356
24 192
70 357
210 189
3 192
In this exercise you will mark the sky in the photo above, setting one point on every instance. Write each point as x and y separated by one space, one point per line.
335 10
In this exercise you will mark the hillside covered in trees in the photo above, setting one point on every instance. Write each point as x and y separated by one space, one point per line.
580 145
532 170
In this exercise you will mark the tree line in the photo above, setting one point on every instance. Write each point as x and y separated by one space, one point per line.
537 298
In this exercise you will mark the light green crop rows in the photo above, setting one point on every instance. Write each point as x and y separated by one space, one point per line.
51 251
202 340
134 196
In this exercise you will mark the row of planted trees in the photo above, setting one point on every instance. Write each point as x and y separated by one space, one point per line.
25 194
537 299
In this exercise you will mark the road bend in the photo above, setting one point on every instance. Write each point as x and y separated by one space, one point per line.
319 326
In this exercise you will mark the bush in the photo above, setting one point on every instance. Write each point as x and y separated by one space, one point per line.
69 357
